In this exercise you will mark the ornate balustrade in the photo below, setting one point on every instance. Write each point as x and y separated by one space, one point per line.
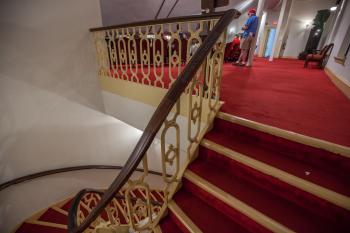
182 54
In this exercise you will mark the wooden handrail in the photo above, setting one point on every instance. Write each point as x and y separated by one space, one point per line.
158 117
162 21
62 170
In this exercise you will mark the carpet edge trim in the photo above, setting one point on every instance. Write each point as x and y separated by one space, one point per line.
47 224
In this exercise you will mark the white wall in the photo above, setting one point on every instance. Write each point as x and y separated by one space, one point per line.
302 13
47 43
138 114
46 191
49 89
121 11
50 100
342 71
41 130
113 13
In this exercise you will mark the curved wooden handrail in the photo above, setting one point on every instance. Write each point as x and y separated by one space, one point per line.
62 170
161 21
158 118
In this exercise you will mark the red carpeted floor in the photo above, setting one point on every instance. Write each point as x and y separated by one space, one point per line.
284 94
280 93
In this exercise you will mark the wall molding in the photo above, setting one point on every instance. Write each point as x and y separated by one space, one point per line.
290 57
342 84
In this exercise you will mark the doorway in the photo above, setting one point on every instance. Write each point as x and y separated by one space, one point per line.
269 42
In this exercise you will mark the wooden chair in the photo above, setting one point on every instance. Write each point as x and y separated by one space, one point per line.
320 56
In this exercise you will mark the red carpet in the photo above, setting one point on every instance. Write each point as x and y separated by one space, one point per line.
267 194
293 207
32 228
171 224
325 168
52 215
284 94
280 93
47 222
208 218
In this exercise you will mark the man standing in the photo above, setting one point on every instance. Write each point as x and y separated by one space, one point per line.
249 29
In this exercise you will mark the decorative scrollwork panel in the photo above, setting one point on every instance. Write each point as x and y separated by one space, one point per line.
155 55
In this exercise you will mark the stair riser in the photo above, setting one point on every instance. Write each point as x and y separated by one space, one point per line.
230 212
306 200
178 223
53 216
307 154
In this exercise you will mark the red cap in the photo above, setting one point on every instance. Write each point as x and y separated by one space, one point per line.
252 11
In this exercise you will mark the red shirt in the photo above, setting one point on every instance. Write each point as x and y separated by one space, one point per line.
236 42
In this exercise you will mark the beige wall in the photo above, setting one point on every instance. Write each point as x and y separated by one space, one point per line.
46 43
50 100
342 71
45 191
302 13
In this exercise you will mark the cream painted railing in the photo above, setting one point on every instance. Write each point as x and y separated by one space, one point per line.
185 55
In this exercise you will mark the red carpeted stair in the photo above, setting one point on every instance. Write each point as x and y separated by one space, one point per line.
294 208
203 214
171 224
55 218
312 164
34 228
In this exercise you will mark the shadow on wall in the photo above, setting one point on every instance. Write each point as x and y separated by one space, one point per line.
57 64
40 131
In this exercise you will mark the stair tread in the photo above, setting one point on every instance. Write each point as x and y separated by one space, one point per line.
336 182
207 218
170 224
275 207
53 216
34 228
67 205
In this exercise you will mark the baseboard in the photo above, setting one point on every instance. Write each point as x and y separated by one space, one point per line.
289 57
340 83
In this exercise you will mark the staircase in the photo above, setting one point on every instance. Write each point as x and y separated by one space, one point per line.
246 180
242 176
55 218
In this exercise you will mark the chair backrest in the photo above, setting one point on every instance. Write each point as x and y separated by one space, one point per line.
327 52
326 49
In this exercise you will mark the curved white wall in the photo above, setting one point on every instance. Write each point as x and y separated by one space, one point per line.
302 13
342 71
47 44
43 192
121 11
41 130
50 99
